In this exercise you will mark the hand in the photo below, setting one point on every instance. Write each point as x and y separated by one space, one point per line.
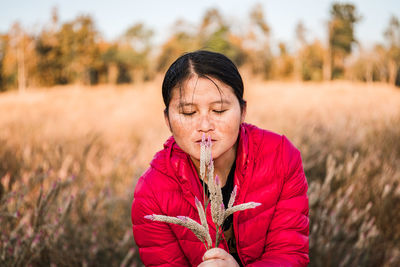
218 257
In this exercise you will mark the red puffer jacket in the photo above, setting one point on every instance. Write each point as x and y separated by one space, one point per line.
268 170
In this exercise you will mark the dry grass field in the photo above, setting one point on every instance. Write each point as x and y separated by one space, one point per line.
70 157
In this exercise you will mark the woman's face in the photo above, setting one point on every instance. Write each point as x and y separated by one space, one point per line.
200 108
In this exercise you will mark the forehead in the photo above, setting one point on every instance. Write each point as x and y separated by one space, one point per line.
202 88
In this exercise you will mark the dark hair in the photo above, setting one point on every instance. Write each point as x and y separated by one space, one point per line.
205 64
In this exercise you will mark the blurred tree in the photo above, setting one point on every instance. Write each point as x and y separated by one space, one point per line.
380 68
9 62
258 18
79 52
139 37
18 58
68 53
257 44
49 65
215 34
284 63
3 46
182 40
392 35
108 56
301 42
211 23
312 61
125 58
18 42
301 32
341 38
135 48
370 65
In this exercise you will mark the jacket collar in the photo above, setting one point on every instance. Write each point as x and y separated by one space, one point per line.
175 163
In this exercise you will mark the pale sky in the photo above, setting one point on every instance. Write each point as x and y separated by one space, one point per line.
112 18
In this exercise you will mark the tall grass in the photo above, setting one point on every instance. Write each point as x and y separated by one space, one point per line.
70 158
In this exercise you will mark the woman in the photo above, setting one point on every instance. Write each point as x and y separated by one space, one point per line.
203 95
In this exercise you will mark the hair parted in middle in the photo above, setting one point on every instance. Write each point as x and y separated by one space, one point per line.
205 64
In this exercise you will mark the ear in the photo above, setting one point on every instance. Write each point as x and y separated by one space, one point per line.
166 118
244 112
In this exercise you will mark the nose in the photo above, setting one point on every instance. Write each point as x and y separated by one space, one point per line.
205 124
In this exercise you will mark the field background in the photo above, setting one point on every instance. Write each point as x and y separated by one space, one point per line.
70 157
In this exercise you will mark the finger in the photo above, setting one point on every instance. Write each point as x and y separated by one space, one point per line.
215 253
211 263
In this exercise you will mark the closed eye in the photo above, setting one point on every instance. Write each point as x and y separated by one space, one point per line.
220 111
188 114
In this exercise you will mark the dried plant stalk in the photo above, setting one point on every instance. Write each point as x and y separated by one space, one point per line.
232 198
199 230
218 211
245 206
202 215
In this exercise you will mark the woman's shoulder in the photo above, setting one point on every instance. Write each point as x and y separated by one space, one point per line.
147 181
267 141
161 174
262 139
257 132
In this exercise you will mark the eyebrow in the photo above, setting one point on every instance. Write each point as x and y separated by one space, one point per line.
183 104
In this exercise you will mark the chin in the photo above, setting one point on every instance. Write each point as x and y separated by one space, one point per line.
194 154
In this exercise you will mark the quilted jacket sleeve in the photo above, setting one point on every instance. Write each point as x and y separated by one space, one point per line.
157 244
287 240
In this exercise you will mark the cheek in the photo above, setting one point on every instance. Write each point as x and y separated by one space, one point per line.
229 131
232 123
180 126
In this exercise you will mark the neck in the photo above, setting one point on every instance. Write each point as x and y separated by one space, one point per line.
222 164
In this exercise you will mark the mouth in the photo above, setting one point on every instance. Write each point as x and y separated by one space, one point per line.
199 141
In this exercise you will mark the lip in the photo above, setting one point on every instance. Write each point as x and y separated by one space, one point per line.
199 141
